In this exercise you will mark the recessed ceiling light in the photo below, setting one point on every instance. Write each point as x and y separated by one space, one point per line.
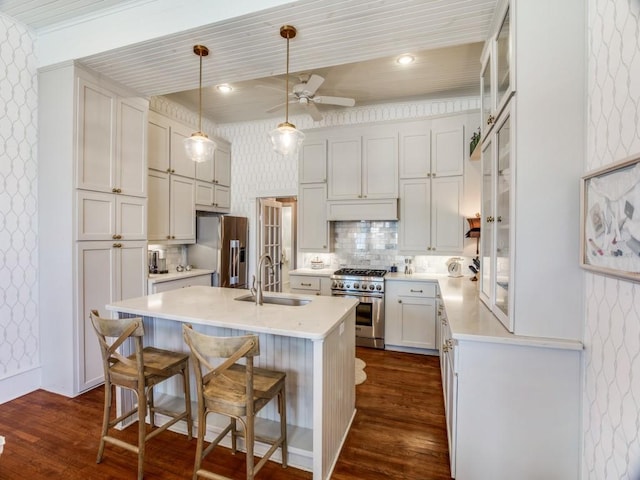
224 88
405 59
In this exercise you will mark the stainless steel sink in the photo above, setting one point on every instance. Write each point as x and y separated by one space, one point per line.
288 301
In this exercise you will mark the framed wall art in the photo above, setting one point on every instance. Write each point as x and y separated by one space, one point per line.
610 224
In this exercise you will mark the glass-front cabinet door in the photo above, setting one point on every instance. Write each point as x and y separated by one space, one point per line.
486 228
504 62
486 92
497 207
502 213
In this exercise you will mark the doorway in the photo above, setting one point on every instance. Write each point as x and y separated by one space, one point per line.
277 232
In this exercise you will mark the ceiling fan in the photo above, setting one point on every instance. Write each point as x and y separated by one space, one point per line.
304 93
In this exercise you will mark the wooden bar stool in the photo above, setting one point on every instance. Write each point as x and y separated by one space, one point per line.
139 372
237 391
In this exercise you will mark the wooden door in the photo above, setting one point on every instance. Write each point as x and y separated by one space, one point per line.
271 243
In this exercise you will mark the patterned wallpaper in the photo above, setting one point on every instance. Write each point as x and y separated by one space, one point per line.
19 344
611 399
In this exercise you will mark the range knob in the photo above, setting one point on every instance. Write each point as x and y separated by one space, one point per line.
341 285
364 286
371 287
335 284
347 285
356 285
378 287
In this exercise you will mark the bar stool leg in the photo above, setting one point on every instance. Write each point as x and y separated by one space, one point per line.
282 405
142 429
105 419
187 400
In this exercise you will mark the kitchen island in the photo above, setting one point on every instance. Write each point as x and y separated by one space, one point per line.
313 343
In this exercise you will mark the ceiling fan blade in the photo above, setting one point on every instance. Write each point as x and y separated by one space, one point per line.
313 83
313 111
275 108
342 101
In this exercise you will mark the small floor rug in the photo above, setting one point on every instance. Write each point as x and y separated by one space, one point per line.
360 375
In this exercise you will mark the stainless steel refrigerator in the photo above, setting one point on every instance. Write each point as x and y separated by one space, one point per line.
221 245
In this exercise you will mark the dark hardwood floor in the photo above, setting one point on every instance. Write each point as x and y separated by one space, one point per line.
398 433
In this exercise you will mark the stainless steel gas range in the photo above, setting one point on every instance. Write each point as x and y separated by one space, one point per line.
366 286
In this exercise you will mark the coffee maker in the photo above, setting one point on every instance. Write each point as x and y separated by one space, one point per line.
157 262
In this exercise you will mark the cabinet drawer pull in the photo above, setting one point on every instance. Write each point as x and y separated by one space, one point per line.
415 291
117 237
117 245
305 284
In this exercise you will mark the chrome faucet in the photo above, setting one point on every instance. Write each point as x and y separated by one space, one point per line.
256 290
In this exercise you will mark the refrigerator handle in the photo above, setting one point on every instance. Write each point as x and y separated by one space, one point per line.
234 255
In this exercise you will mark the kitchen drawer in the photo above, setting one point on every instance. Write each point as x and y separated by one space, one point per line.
301 282
180 283
412 289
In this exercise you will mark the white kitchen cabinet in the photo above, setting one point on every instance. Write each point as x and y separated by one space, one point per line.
410 316
310 285
447 347
171 208
107 272
159 286
498 174
546 156
498 73
415 150
166 146
312 166
431 218
432 158
313 227
364 166
211 197
104 216
111 140
92 140
216 170
448 146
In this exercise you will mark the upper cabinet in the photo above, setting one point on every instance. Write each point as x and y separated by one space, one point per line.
312 167
432 159
498 76
364 166
166 147
530 163
216 170
111 141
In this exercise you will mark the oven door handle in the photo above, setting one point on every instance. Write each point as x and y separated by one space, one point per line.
361 298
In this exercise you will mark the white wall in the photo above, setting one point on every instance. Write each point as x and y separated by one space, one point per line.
257 171
612 332
19 345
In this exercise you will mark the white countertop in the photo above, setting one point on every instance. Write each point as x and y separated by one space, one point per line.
167 277
320 272
216 307
470 319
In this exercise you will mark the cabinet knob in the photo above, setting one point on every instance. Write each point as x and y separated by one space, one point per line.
324 246
499 219
173 237
445 348
399 301
114 190
490 219
433 174
168 237
428 175
168 170
490 120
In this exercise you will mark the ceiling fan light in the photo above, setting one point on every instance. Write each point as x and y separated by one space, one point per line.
199 147
286 139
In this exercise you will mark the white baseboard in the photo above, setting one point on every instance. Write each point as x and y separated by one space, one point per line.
19 384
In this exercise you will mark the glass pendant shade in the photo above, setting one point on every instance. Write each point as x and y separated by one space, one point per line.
286 139
199 147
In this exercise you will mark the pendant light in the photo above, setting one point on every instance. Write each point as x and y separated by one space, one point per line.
199 146
286 139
